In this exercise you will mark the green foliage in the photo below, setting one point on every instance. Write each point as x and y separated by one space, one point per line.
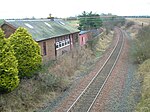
27 52
88 21
8 66
142 52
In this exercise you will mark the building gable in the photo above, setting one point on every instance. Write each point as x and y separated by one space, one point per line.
8 29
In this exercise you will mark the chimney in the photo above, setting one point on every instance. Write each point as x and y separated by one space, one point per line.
50 17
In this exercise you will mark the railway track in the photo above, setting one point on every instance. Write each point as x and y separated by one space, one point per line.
87 98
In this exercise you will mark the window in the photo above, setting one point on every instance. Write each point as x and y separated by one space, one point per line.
60 44
28 25
63 42
57 45
82 39
61 23
48 24
68 41
44 48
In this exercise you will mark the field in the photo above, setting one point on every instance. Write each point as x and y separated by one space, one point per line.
74 23
145 21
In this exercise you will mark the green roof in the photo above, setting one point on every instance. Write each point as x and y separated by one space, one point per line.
42 29
1 21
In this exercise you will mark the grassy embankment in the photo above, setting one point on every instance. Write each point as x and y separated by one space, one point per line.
55 77
144 72
139 21
142 58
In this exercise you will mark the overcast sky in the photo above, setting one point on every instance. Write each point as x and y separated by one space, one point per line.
65 8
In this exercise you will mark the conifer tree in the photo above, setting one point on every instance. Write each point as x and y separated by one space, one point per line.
27 52
88 21
9 79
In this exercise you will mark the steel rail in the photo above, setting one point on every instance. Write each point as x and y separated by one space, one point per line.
100 90
69 110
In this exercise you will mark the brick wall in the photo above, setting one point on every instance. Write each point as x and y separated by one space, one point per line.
50 49
8 30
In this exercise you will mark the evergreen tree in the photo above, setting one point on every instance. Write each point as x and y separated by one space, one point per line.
88 21
27 52
9 79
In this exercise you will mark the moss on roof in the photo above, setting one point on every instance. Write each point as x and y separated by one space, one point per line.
42 29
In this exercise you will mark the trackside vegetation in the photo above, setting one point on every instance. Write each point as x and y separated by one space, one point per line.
27 52
142 56
143 45
9 79
144 71
19 57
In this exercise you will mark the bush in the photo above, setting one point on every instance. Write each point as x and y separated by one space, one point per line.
144 71
8 66
27 52
142 45
129 24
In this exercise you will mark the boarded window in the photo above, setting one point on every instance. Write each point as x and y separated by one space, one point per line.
44 48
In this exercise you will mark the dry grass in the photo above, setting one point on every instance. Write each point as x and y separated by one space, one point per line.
144 71
139 21
104 42
74 23
142 56
71 62
36 92
26 98
132 29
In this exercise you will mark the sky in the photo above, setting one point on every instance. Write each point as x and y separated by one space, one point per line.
65 8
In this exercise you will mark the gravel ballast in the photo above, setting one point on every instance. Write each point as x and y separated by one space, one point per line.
122 90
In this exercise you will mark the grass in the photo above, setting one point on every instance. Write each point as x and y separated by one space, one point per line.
145 21
74 23
55 78
144 72
142 57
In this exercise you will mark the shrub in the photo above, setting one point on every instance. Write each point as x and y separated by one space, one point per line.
129 24
27 52
144 71
8 66
142 45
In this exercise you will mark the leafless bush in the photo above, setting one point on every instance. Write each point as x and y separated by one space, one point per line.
129 24
142 49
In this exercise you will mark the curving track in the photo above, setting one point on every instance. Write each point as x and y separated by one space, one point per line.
86 99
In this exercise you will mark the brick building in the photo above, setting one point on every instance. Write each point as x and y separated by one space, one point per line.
55 37
84 36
